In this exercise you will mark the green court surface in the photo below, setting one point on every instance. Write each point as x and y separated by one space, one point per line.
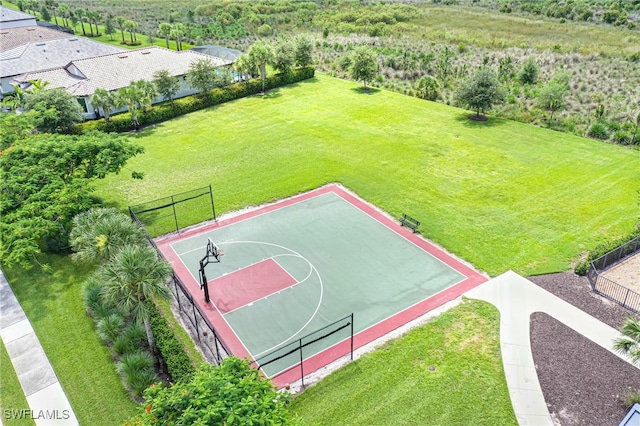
292 268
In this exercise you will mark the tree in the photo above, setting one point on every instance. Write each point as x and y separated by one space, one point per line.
46 15
245 67
138 94
303 52
132 276
164 30
16 127
444 65
53 5
120 23
528 74
45 181
166 84
202 75
261 53
553 96
428 87
131 26
232 393
629 343
283 57
58 109
80 14
99 233
178 33
480 91
106 101
364 65
94 18
63 10
109 28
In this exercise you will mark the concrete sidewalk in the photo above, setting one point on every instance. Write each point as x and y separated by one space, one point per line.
517 298
48 403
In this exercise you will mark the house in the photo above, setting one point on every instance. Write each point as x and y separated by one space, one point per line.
81 77
26 47
10 18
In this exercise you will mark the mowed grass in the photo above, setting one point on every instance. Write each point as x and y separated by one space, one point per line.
12 397
53 304
395 385
500 194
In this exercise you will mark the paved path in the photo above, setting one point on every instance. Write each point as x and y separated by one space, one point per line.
47 401
517 298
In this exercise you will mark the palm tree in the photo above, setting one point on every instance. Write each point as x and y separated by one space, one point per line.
120 21
132 277
80 14
63 10
261 53
131 26
139 94
177 33
428 87
53 5
95 18
99 233
106 101
164 30
243 67
629 343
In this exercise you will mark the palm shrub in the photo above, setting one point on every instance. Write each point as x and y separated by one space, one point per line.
100 232
137 372
132 339
629 343
110 327
598 130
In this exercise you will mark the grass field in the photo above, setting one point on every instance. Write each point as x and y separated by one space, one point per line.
394 385
487 28
500 194
53 304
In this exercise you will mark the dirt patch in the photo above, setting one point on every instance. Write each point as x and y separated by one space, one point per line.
626 273
581 382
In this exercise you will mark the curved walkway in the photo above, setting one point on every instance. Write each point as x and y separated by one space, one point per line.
517 298
48 404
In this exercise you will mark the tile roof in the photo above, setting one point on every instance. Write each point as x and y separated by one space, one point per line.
11 38
10 15
111 72
37 56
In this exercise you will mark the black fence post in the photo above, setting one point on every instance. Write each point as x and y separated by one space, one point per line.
301 367
351 336
213 206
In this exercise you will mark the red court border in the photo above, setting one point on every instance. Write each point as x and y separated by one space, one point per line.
321 359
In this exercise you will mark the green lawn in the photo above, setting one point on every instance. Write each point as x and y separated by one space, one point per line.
12 397
500 194
53 304
395 386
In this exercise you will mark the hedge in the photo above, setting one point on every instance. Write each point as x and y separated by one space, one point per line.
168 110
583 266
179 364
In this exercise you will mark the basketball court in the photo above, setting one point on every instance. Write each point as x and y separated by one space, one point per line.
306 271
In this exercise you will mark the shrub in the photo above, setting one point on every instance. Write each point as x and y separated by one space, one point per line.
598 131
109 327
631 398
602 249
132 339
179 364
168 110
136 361
621 137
